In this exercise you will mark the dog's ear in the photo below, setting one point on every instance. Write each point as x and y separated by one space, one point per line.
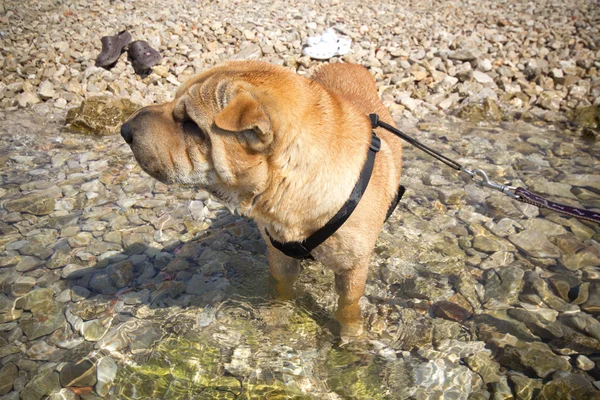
245 114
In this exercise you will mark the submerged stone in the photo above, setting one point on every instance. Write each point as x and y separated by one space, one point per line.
486 110
101 115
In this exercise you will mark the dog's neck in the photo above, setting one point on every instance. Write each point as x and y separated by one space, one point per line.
309 181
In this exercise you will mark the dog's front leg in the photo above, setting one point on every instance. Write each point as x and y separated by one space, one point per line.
350 286
284 270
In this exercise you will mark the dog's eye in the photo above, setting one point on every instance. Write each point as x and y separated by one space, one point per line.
191 128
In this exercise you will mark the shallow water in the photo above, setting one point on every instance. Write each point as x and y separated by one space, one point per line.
470 293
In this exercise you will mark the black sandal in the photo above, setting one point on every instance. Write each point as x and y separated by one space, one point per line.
142 56
112 48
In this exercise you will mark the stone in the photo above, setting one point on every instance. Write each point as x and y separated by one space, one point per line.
28 263
486 110
584 363
8 374
483 78
483 364
464 55
100 115
95 329
43 384
573 388
120 274
535 355
525 388
534 244
105 375
78 374
503 285
37 203
46 90
47 318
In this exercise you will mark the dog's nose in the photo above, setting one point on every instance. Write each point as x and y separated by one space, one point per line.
127 133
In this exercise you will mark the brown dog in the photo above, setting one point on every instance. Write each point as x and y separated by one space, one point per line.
286 151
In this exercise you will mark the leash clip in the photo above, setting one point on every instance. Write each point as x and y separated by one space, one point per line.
480 177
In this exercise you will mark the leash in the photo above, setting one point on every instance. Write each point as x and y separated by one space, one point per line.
481 178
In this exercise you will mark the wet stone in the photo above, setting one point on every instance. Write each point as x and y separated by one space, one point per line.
28 263
100 115
535 244
144 337
35 298
22 285
42 351
503 285
47 318
483 364
81 373
120 274
42 384
105 375
573 387
525 387
584 363
536 356
95 329
8 374
39 203
102 283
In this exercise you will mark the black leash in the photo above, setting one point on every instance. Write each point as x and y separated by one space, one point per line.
481 178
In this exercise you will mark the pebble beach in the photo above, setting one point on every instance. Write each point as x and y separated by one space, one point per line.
115 286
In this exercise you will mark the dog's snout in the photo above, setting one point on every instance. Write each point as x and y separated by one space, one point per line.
127 132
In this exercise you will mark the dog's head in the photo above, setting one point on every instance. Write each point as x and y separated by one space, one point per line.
218 132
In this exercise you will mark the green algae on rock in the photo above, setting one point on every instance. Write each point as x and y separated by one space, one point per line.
486 110
587 119
101 115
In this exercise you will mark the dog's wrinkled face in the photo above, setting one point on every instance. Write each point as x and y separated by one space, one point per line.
216 134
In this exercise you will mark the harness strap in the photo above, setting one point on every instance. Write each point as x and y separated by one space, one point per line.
302 250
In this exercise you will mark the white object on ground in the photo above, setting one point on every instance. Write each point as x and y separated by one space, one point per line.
326 46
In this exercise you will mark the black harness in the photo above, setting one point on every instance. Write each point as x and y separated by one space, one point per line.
302 250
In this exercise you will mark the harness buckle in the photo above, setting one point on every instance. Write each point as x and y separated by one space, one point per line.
375 142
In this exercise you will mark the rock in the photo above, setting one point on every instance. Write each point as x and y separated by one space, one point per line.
486 110
28 263
27 98
536 356
81 373
574 387
105 375
503 285
582 362
120 274
534 244
464 55
550 100
485 366
47 317
46 90
95 329
587 117
43 384
100 115
38 203
483 78
525 387
8 374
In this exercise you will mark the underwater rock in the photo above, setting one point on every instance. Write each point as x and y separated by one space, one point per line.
101 115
